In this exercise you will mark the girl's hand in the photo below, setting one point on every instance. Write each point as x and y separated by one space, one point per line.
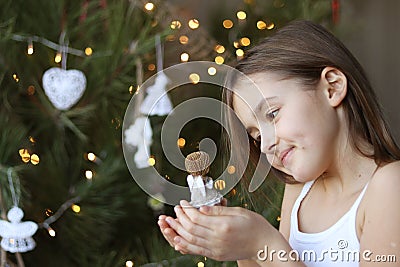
169 233
218 232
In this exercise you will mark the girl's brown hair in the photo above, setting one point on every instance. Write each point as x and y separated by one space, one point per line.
301 50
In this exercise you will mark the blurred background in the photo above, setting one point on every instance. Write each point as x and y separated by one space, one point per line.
61 159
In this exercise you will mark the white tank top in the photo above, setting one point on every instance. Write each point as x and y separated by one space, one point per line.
336 246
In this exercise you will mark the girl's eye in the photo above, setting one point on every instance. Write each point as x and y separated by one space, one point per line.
272 115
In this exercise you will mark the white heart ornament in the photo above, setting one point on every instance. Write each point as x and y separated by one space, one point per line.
64 87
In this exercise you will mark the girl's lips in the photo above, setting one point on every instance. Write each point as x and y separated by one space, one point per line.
285 155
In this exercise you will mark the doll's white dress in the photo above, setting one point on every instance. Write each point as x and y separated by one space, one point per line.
202 194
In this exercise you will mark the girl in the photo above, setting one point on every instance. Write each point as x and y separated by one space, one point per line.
320 126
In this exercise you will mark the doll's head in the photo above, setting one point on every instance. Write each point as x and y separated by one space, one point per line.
197 163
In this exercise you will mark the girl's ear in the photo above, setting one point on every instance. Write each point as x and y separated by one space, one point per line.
335 85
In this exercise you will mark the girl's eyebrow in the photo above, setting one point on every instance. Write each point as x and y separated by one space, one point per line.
262 101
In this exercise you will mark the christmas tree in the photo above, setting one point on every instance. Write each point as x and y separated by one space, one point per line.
61 156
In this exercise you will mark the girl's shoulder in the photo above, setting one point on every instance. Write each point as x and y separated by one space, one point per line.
385 184
292 191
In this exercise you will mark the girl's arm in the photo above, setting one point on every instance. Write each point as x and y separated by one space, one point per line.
380 234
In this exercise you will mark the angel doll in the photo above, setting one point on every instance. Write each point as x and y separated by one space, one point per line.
201 186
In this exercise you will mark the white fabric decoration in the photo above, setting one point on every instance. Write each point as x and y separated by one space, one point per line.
63 87
157 101
140 135
196 184
17 235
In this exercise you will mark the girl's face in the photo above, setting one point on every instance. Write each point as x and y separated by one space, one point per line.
297 128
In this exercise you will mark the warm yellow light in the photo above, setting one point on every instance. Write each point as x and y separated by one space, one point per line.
51 232
212 71
170 38
30 48
25 156
227 24
91 156
193 24
261 25
239 52
176 24
184 57
241 15
131 89
58 57
151 67
15 77
219 49
219 60
149 6
270 26
89 174
151 161
236 44
219 184
231 169
245 41
75 208
31 139
183 39
88 51
194 78
181 142
35 159
200 264
129 264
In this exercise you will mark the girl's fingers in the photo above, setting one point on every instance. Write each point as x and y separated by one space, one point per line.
186 234
182 245
190 225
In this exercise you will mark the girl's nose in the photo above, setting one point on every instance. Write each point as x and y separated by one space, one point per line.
268 139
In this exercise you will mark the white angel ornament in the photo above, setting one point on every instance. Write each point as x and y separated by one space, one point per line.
201 186
17 235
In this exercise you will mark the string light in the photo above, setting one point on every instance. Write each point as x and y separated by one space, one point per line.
227 24
51 231
212 71
181 142
31 139
231 169
89 174
194 78
31 90
219 60
193 24
15 77
175 25
88 51
219 184
25 156
239 52
35 159
245 41
91 156
241 15
151 67
219 49
129 264
48 212
75 208
200 264
30 47
184 57
170 38
58 57
151 161
261 25
149 6
236 44
270 26
183 39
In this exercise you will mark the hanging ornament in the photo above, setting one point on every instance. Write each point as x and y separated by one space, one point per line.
64 87
157 101
16 235
140 136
